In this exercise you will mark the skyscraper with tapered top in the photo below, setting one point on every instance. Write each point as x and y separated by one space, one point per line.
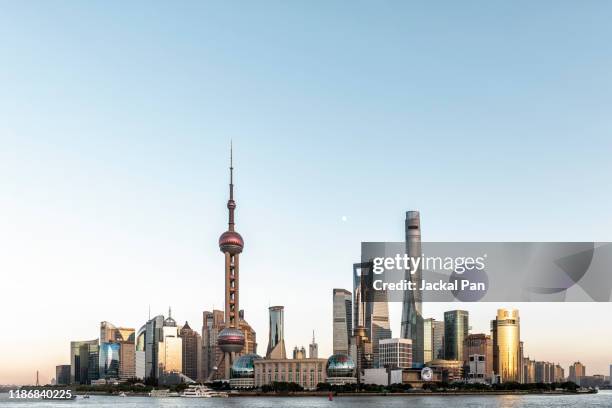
231 339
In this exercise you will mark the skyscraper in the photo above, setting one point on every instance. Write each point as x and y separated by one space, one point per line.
153 333
170 348
576 372
231 339
62 374
313 348
506 345
482 345
370 312
438 339
342 318
456 327
79 360
212 324
140 353
192 352
126 338
109 355
395 353
276 334
412 311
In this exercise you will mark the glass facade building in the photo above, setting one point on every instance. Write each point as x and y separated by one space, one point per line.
109 357
506 345
456 327
79 360
412 307
342 319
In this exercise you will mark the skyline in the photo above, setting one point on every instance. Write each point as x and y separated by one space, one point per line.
493 121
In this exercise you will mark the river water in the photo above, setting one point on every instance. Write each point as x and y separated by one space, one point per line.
603 399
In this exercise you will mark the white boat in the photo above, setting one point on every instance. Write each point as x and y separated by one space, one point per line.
202 391
122 394
197 391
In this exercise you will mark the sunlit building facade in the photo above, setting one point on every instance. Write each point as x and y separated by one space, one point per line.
481 345
576 372
505 331
276 337
140 354
342 320
170 349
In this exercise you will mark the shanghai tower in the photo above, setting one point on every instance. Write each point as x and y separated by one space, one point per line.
412 308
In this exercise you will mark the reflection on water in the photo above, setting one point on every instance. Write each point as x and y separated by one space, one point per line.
603 399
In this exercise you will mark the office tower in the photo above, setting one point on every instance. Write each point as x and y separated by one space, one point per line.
108 361
62 374
276 337
192 352
212 324
111 334
477 366
370 312
93 362
438 339
559 374
520 360
482 345
610 373
250 336
170 348
140 354
506 345
456 327
153 333
412 312
576 372
544 372
313 348
395 353
299 353
79 360
124 336
231 339
342 318
433 340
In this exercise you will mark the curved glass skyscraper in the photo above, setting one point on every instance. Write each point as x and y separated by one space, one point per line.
506 345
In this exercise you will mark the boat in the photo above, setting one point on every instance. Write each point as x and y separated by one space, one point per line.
159 393
202 391
122 394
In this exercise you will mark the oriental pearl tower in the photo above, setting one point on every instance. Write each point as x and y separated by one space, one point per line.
231 339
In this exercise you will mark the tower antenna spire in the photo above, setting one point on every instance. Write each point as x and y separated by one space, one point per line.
231 204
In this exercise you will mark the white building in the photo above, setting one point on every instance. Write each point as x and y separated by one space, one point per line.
395 353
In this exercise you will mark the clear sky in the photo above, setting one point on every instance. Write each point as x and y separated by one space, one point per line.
490 117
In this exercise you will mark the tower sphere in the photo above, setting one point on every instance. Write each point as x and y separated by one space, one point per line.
231 340
231 241
340 365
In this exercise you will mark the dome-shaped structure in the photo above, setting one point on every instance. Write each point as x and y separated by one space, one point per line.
231 340
231 241
244 367
340 365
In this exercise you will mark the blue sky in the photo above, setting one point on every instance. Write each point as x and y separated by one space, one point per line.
492 118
